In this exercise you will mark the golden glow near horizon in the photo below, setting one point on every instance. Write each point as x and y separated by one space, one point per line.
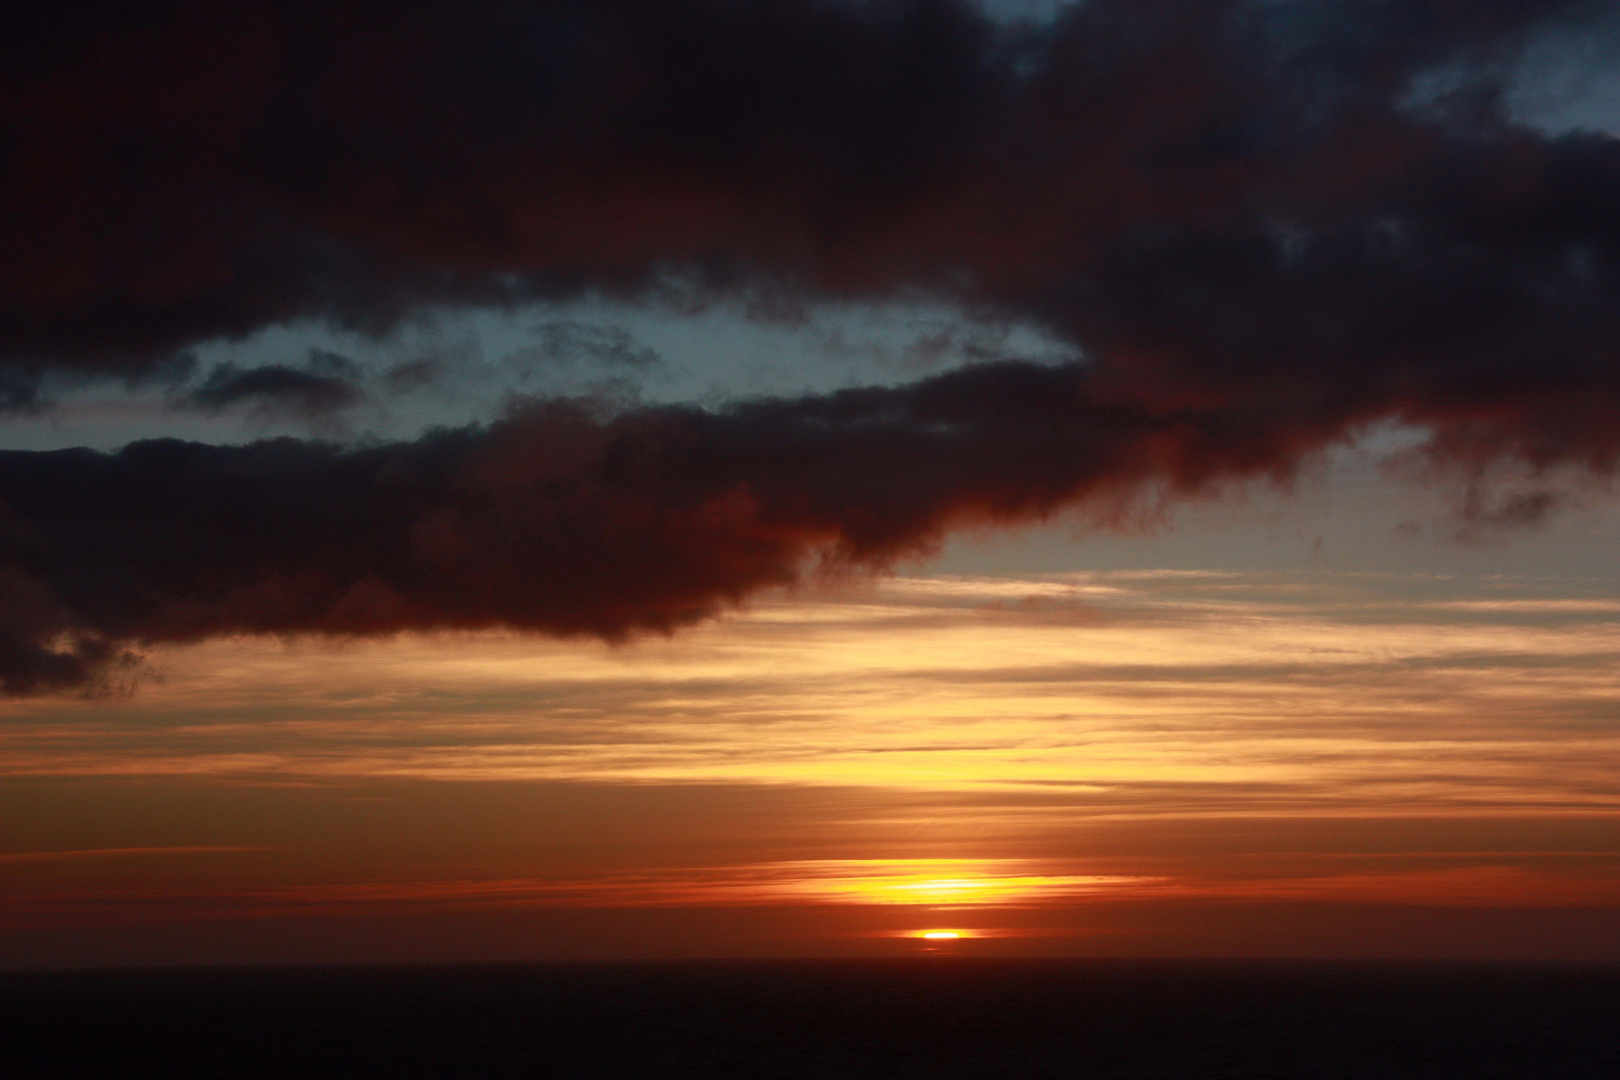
1260 690
936 882
991 744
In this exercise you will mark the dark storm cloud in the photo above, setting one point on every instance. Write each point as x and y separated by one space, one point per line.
176 172
1262 223
1220 188
559 519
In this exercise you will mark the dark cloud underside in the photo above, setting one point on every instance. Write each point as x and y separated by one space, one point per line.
557 519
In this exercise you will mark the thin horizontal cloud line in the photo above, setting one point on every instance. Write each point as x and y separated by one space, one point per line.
939 885
1287 714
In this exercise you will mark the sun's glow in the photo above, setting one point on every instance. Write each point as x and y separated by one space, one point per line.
1105 687
937 882
1086 733
940 935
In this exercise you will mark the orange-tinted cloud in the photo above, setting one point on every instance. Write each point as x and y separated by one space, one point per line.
559 519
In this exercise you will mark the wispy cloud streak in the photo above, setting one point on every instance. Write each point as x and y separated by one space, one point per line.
1128 694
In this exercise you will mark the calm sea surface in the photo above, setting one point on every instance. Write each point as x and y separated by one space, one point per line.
918 1018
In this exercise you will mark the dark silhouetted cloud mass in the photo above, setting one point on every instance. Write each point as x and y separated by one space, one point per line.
1262 224
561 519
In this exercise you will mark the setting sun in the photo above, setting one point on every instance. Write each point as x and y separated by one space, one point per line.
938 882
940 935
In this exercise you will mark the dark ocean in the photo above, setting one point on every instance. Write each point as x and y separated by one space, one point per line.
917 1018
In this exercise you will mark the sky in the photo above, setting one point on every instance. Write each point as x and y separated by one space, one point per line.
547 480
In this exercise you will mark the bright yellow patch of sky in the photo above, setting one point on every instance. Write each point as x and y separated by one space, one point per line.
1220 690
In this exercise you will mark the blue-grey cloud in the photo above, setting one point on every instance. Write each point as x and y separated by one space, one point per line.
326 383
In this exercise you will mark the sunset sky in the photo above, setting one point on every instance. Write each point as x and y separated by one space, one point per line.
525 480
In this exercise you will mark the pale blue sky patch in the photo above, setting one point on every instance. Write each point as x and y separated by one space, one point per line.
450 368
